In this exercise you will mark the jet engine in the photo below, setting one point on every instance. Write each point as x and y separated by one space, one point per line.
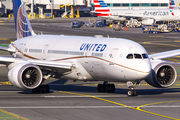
147 21
25 76
163 75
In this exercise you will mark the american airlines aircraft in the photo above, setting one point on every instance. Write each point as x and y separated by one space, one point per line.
35 58
148 16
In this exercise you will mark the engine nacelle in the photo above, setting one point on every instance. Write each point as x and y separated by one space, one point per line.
163 75
25 76
147 21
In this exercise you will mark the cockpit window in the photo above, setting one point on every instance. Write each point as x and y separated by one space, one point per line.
129 56
137 56
145 56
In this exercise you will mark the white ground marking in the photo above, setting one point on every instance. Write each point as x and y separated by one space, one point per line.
84 107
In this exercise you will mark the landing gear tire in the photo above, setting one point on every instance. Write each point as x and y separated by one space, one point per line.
103 88
45 89
134 92
131 92
110 88
36 90
99 87
41 89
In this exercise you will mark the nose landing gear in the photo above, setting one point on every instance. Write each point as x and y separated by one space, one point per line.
132 91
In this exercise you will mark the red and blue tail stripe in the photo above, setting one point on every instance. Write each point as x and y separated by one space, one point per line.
101 3
101 8
171 4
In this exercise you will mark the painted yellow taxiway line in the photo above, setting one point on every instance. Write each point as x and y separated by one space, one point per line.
6 83
11 114
116 103
4 39
156 36
139 108
160 44
177 41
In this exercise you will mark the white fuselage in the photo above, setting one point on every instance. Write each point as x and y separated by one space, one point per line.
156 14
94 58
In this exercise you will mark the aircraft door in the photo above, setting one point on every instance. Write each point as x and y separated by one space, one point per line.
112 55
45 50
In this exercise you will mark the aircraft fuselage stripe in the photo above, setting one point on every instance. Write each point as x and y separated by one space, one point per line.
78 57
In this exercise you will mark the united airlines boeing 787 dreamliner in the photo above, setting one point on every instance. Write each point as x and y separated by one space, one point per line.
38 57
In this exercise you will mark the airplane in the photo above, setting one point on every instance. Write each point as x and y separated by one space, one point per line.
148 16
35 58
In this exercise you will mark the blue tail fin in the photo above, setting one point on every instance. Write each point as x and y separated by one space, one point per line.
22 24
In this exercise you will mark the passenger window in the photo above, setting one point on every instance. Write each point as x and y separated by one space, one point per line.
145 56
137 56
129 56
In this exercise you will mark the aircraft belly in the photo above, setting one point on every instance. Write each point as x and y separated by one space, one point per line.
121 74
105 71
96 69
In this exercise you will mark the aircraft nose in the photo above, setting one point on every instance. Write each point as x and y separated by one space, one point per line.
143 69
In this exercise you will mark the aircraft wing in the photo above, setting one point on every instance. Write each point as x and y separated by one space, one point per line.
7 49
54 65
166 54
6 60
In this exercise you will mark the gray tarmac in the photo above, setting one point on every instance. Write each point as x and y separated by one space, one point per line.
70 100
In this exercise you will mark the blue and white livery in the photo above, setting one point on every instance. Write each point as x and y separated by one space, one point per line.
38 57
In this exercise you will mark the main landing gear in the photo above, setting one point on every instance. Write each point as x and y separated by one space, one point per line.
132 91
105 87
41 89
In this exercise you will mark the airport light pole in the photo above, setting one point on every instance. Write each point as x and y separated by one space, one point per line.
0 3
32 8
52 7
65 6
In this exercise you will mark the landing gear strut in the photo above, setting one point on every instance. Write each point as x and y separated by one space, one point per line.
41 89
132 91
105 87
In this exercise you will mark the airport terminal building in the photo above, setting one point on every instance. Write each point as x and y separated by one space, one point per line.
84 6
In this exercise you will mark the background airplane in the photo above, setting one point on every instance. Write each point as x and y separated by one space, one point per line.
38 57
148 16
